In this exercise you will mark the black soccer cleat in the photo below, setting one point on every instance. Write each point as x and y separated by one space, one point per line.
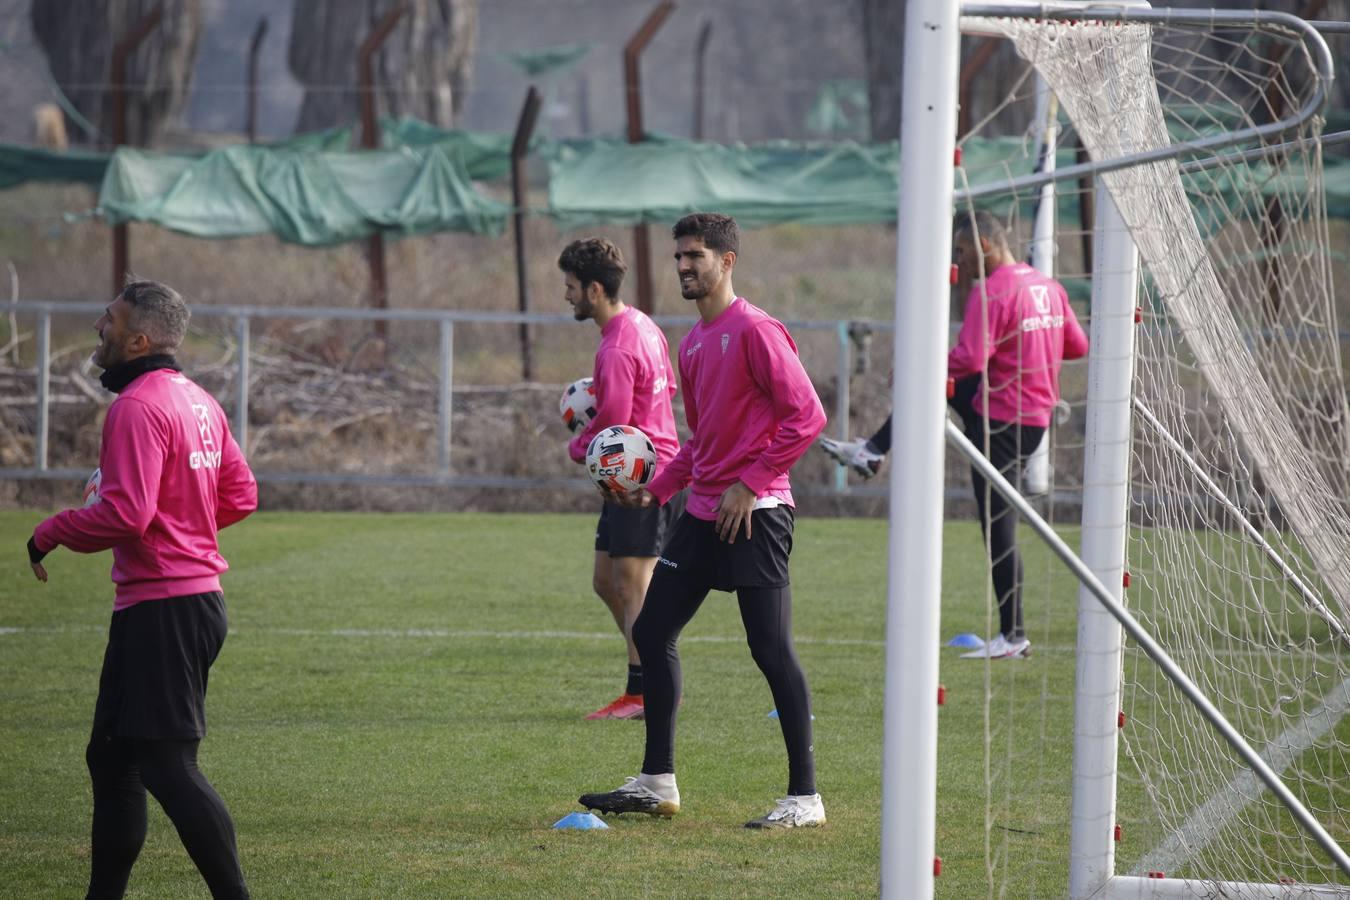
633 797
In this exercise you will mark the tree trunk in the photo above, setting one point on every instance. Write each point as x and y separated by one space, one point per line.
78 37
422 69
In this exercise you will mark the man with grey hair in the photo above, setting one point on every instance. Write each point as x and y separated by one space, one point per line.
170 477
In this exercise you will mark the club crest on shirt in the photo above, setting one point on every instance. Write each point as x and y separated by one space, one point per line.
726 339
1040 298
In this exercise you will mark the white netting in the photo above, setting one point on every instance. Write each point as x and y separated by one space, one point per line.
1239 544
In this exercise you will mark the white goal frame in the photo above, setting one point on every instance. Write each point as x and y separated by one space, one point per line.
926 196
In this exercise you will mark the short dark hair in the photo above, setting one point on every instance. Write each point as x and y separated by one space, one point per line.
980 222
718 232
595 260
157 311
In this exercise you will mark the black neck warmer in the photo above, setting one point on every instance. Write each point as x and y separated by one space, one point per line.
119 376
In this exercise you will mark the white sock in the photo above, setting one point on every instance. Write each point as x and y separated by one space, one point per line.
663 784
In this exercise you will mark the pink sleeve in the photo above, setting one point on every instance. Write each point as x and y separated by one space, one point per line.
971 352
237 491
777 370
675 475
1075 340
134 441
615 374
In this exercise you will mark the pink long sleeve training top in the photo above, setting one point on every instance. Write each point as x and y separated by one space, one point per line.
750 405
1031 330
633 385
172 477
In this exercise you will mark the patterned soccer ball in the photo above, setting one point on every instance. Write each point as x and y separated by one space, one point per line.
91 495
621 459
577 405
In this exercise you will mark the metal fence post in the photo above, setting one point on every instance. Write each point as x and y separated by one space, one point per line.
446 395
44 362
241 396
844 369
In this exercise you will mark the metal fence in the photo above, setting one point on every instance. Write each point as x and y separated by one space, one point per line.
436 331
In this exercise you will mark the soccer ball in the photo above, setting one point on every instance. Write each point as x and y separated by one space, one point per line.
91 488
577 405
621 459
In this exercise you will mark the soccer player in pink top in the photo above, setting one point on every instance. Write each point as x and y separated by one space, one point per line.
633 385
170 477
752 412
1017 329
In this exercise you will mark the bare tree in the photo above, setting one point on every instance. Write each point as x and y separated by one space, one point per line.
78 37
423 68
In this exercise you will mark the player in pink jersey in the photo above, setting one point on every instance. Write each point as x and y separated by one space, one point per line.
633 385
171 478
1017 330
752 412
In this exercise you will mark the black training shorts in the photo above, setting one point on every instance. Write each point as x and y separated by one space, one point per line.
636 532
153 685
696 555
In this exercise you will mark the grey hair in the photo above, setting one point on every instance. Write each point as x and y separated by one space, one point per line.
157 311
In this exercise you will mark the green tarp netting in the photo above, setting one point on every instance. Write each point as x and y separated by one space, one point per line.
829 184
550 60
22 164
308 190
19 164
314 199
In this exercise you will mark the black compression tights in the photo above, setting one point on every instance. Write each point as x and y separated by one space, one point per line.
767 616
122 772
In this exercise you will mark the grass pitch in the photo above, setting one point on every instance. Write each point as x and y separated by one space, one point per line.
398 713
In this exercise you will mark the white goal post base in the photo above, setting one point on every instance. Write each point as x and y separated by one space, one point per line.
1130 887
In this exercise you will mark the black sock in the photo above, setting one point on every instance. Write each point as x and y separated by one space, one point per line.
634 680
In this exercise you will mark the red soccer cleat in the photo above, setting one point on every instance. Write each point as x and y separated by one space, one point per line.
628 706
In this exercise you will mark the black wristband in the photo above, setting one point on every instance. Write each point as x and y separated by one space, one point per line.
35 555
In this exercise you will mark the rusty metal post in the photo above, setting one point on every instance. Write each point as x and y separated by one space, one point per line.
520 148
251 116
700 55
370 140
1273 226
123 49
978 60
1087 206
632 53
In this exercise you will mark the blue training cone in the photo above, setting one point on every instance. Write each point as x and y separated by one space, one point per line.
580 821
967 640
773 714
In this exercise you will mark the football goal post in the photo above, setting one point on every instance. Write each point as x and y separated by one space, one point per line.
1210 445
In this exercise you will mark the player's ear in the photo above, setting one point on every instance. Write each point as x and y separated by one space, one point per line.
729 260
139 342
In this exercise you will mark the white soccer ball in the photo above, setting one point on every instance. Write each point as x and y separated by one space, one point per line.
91 487
621 459
577 405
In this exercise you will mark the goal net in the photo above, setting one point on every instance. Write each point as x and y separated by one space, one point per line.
1237 542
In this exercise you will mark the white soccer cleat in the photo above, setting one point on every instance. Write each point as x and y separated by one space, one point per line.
857 455
655 795
1001 648
804 811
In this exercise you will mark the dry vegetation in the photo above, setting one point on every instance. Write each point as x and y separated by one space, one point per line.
320 399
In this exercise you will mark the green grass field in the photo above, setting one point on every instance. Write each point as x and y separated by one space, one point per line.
398 713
